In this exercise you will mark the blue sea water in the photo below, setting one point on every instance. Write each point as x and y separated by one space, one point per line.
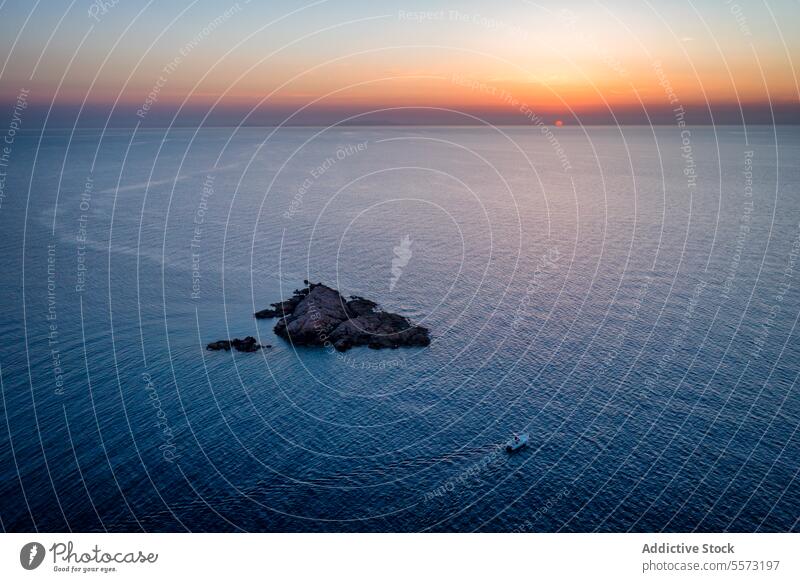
628 296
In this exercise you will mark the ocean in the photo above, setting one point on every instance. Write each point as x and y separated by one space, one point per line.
628 296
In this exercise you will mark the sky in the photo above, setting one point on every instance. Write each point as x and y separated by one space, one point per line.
129 62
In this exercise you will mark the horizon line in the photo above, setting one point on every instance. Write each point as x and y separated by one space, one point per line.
399 124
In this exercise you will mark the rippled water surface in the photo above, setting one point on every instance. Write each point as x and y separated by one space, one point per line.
629 301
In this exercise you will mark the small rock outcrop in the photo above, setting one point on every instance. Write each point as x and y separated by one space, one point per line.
248 344
319 316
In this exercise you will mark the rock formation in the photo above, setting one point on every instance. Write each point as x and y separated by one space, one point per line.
248 344
319 316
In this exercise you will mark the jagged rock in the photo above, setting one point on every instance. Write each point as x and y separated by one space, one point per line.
248 344
319 316
282 308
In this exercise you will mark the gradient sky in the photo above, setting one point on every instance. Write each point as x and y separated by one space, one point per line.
333 59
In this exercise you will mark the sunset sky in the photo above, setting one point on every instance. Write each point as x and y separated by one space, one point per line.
141 62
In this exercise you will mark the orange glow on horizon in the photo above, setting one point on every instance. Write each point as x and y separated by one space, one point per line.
555 61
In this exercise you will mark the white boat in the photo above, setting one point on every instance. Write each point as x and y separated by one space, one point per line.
517 442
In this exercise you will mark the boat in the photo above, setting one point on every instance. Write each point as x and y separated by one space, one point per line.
517 442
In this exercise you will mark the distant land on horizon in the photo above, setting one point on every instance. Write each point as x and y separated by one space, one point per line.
39 115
